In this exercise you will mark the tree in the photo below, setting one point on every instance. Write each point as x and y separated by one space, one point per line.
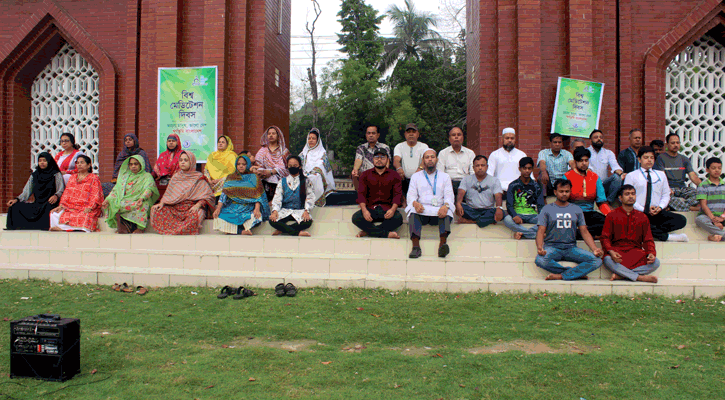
413 34
311 72
360 38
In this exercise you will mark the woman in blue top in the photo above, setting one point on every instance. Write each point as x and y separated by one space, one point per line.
243 203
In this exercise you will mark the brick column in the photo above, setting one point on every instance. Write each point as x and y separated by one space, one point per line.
580 39
529 130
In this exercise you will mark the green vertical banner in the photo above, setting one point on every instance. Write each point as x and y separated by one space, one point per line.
577 107
187 106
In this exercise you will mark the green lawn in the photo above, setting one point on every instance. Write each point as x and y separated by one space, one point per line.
374 344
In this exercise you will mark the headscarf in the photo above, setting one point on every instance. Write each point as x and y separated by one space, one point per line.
129 188
267 159
44 179
316 158
280 137
168 162
221 163
188 185
126 153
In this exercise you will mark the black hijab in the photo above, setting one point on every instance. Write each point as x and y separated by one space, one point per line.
44 179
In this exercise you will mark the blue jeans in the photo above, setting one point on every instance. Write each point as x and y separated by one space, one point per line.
587 262
483 216
529 232
611 187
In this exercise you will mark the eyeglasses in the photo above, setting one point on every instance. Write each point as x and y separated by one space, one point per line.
64 140
380 156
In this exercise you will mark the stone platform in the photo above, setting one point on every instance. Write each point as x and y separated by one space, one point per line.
481 259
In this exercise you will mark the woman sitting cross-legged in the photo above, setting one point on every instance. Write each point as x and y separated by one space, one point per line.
220 164
243 203
40 195
293 200
183 208
130 200
80 205
130 148
316 167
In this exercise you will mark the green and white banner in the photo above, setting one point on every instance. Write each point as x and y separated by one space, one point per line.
187 106
577 107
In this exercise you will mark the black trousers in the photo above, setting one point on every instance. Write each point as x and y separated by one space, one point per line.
665 222
383 227
595 223
292 229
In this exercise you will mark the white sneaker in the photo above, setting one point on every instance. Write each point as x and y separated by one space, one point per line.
677 237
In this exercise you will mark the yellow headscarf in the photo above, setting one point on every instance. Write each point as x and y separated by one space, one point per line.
222 163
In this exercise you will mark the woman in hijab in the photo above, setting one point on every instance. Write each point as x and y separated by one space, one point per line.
130 201
220 163
130 148
243 203
272 159
168 162
40 195
66 159
188 196
316 167
80 205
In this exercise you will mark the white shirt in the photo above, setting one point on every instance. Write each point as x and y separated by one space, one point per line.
456 165
600 161
410 160
422 192
660 188
293 182
504 165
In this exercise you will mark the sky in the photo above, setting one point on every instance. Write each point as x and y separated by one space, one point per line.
327 27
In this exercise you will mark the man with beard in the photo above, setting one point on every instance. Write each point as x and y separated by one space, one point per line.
504 162
480 191
601 162
627 158
659 147
554 162
430 202
678 168
587 189
379 195
627 241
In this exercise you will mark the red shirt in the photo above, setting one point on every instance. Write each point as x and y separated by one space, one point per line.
628 235
381 190
583 188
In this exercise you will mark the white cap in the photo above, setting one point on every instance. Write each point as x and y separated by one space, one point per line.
508 130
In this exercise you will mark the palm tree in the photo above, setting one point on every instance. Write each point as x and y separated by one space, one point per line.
413 34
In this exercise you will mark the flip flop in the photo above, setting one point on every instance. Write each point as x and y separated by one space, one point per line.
242 293
125 288
290 290
140 290
226 292
279 290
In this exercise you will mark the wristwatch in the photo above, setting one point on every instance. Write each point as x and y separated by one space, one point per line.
500 207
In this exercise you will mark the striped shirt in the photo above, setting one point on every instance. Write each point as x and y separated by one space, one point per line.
714 194
556 166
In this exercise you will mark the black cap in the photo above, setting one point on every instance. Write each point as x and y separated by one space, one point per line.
411 126
380 151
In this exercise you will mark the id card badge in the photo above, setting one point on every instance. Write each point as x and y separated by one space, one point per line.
434 202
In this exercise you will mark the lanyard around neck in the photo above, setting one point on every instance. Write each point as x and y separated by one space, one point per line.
435 181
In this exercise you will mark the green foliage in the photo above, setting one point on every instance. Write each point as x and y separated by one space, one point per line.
360 38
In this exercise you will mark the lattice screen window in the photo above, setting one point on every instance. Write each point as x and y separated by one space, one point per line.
695 101
65 99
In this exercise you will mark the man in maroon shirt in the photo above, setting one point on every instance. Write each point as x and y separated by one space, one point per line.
627 241
379 195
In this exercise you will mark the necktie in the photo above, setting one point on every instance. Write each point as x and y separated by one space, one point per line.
648 199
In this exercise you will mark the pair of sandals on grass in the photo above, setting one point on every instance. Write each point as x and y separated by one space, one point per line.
140 290
235 293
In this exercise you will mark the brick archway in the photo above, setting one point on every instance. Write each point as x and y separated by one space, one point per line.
703 18
24 56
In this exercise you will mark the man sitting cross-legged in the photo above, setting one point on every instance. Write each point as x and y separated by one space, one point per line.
524 201
430 200
556 238
711 195
480 191
380 193
678 168
627 241
292 203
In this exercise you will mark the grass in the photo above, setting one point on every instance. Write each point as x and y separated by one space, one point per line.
354 344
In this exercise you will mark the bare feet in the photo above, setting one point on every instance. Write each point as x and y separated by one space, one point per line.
361 234
305 234
55 229
554 277
647 278
137 232
518 235
462 220
712 238
276 232
393 235
616 277
247 233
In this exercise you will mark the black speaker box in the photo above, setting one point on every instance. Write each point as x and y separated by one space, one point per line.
46 347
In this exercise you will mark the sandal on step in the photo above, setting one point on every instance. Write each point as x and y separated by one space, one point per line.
290 290
279 290
140 290
242 293
226 292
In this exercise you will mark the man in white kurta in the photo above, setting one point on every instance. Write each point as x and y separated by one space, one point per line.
504 162
430 202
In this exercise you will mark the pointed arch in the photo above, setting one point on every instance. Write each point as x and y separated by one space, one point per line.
704 17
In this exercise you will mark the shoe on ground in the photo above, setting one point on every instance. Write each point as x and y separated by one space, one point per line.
443 250
416 252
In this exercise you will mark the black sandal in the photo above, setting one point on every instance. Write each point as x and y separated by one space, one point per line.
279 290
226 292
290 290
242 293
